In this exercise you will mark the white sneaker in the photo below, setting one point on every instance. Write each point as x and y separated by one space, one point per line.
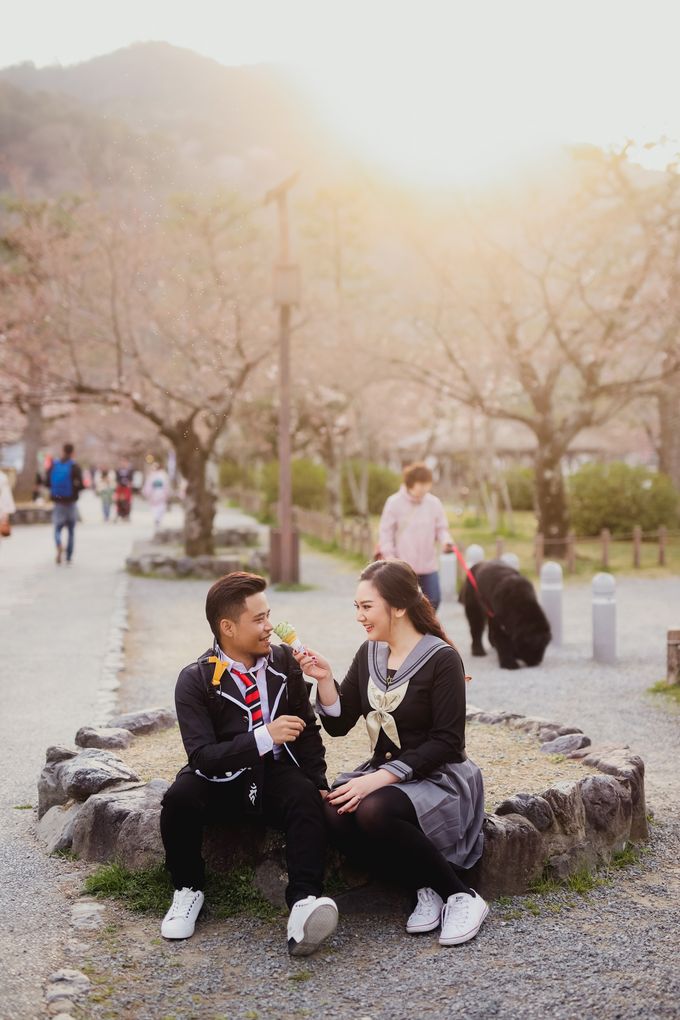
462 918
180 920
311 921
427 913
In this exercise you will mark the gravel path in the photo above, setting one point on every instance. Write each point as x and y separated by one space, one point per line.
612 953
54 634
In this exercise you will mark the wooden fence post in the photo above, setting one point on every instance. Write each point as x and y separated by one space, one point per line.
637 542
673 660
500 546
571 552
663 534
605 536
538 552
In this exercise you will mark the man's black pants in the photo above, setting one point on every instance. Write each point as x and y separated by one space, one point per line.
290 802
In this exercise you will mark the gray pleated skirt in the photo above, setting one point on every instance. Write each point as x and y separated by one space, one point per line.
449 805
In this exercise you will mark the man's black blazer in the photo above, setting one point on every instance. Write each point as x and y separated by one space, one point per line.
214 722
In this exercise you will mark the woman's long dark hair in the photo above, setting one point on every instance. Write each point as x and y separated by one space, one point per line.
397 584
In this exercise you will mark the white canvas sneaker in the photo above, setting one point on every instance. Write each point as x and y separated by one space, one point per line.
462 918
310 922
427 913
180 920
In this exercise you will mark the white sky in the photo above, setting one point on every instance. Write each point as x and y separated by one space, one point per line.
428 88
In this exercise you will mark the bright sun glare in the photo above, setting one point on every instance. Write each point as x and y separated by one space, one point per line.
464 94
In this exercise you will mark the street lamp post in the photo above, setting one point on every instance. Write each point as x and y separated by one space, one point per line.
286 293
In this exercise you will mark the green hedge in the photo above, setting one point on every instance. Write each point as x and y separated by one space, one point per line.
521 482
382 482
308 479
309 483
619 497
232 474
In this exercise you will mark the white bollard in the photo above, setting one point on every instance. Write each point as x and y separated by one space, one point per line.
604 618
448 575
511 560
474 554
551 598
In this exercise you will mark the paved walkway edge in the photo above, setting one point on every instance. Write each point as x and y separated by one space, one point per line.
114 659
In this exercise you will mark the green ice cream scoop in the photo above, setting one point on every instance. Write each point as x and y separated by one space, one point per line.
287 634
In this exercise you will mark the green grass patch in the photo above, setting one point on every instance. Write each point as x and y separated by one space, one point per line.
583 881
294 586
23 807
301 975
234 893
671 691
150 890
519 539
334 882
334 550
625 858
545 885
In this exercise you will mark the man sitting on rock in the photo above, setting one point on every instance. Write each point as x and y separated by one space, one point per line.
254 749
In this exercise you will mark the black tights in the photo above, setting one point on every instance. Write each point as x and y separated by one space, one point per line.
383 834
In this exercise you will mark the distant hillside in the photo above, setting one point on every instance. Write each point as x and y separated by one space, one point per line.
235 124
51 142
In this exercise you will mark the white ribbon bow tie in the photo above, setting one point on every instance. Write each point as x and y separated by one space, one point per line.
383 704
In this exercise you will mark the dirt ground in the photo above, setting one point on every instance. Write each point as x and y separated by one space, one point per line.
511 762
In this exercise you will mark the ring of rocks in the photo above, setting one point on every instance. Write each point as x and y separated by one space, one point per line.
92 803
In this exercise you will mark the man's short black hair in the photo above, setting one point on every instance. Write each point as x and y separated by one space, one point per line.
68 450
227 597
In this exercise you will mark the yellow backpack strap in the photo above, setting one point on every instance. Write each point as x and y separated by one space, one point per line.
220 667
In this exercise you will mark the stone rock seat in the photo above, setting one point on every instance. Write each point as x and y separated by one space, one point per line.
91 802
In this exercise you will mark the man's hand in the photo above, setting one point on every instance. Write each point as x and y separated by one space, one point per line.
286 728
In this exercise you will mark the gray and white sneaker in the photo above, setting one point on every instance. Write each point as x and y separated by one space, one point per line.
180 920
427 913
311 921
462 918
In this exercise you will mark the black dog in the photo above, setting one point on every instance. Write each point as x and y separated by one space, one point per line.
518 628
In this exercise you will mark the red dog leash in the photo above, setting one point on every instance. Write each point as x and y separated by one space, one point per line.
471 578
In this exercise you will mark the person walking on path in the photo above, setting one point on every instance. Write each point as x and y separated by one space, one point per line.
7 506
105 486
253 748
412 523
156 491
65 481
415 809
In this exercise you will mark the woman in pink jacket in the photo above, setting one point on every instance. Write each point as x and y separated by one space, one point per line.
412 524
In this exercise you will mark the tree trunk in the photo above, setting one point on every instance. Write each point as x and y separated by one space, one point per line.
358 486
669 430
551 499
199 501
334 484
32 440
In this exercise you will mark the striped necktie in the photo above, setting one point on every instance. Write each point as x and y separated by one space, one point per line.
251 697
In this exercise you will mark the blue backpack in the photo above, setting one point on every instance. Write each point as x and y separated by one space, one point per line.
61 480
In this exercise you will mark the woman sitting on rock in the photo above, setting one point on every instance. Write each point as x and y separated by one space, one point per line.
414 810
